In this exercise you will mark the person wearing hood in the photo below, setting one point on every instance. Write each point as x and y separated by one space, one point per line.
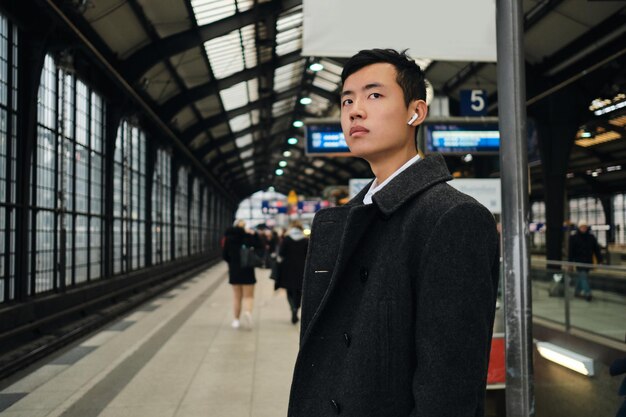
582 247
241 278
293 255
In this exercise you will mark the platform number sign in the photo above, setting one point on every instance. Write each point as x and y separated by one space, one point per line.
473 102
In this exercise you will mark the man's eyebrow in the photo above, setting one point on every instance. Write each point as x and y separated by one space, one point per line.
367 87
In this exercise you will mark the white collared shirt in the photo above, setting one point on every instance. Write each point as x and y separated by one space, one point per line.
375 187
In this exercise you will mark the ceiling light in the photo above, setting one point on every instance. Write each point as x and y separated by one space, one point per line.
282 164
566 358
298 123
316 67
279 172
292 141
287 154
306 100
468 158
586 135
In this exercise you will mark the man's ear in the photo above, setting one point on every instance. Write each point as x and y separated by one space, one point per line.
420 108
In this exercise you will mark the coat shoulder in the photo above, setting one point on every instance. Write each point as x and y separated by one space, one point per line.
443 198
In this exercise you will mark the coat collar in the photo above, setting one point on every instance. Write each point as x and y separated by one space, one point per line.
421 175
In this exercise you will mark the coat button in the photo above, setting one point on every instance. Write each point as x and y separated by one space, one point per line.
336 406
364 274
346 338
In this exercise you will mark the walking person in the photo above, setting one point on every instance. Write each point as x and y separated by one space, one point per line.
241 278
582 247
292 255
400 283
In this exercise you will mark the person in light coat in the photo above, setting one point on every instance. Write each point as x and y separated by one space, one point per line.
400 284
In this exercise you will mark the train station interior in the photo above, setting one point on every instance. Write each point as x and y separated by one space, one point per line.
134 133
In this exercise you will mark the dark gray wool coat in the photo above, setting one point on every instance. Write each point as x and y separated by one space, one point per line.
399 302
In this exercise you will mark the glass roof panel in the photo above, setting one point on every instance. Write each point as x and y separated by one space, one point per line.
247 154
282 107
289 41
253 89
243 140
243 5
326 85
235 96
239 123
289 31
225 54
208 11
288 76
249 45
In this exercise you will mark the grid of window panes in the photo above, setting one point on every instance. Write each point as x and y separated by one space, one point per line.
590 210
44 181
204 221
538 216
619 218
181 214
195 221
161 208
67 181
8 125
129 178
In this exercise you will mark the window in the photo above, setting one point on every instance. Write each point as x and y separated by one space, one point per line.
619 218
67 165
195 221
589 209
8 124
128 199
161 208
181 214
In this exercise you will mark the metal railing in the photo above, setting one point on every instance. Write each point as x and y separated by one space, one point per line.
602 312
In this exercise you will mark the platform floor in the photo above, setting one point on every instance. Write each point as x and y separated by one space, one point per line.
175 356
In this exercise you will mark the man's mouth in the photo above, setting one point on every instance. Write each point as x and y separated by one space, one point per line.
357 129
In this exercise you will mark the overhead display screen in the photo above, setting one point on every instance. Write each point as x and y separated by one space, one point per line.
462 137
325 138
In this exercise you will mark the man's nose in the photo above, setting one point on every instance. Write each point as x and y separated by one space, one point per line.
357 111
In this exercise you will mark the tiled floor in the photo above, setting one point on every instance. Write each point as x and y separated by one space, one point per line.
179 357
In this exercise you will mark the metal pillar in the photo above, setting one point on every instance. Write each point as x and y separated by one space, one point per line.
517 302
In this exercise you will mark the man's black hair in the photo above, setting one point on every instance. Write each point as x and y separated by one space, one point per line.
409 75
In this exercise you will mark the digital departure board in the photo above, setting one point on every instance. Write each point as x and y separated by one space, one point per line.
462 137
325 137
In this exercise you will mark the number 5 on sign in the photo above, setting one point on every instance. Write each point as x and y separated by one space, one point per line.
473 102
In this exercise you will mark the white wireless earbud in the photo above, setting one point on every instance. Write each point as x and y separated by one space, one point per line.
412 119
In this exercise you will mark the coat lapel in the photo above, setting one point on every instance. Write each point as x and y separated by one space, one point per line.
355 218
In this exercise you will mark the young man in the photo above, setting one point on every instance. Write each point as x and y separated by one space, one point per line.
400 283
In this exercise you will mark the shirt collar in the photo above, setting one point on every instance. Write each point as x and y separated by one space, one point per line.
375 187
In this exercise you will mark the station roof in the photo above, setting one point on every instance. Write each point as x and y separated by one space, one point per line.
227 77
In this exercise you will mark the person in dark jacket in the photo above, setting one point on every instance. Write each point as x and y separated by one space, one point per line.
400 284
241 278
292 255
582 247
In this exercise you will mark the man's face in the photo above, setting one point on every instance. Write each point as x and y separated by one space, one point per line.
583 228
373 113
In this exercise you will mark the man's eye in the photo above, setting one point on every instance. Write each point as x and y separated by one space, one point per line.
375 95
346 101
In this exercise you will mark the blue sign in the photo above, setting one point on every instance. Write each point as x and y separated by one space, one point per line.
325 138
462 138
474 102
